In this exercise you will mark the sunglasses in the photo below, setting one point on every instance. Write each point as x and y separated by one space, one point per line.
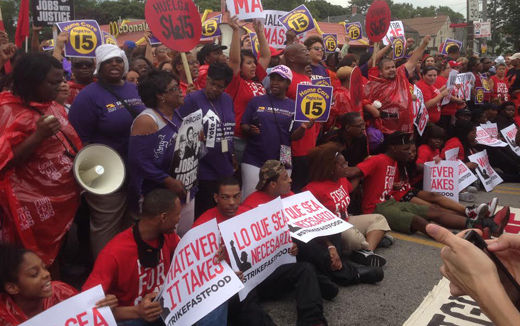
84 64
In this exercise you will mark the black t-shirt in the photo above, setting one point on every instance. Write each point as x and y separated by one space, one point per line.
513 75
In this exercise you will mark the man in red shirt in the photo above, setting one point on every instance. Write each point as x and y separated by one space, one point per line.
297 58
299 276
210 53
381 176
133 265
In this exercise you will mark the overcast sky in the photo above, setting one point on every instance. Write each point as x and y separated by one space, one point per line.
455 5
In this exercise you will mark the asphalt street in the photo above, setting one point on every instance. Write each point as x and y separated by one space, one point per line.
412 270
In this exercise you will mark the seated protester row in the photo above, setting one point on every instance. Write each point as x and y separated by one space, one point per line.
26 287
383 174
325 253
329 185
248 73
299 276
268 123
218 126
152 138
103 113
134 264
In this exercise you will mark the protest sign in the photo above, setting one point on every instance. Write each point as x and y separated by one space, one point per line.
154 40
398 47
188 150
449 43
330 42
491 128
255 45
442 178
210 27
479 95
452 154
197 282
353 31
50 12
258 242
484 138
109 38
312 102
245 9
466 177
299 19
509 134
395 30
78 310
274 31
487 175
325 81
309 219
422 120
463 83
377 20
84 37
450 85
176 24
48 45
420 113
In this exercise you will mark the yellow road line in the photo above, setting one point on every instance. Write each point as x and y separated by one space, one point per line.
507 192
509 188
422 241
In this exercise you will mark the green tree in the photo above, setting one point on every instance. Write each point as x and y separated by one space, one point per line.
9 14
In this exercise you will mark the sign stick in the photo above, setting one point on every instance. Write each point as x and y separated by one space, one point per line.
186 67
376 49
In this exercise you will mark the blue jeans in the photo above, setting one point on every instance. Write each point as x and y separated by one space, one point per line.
218 317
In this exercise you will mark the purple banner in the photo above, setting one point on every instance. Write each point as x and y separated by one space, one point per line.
330 42
353 31
299 19
84 38
210 27
312 102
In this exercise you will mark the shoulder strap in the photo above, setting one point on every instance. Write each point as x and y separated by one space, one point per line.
130 110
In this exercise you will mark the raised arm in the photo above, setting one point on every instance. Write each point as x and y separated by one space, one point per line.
265 53
234 49
417 55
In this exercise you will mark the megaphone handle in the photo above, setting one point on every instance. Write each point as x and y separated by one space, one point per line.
186 68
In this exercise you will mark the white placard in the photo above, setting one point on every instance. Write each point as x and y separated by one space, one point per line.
395 30
309 219
197 282
442 178
258 242
491 128
452 154
245 9
78 310
274 31
487 175
484 138
466 177
509 134
450 85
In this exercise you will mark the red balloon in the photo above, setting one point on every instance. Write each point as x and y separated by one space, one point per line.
176 23
377 20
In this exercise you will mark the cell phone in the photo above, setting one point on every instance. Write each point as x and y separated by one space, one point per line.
510 285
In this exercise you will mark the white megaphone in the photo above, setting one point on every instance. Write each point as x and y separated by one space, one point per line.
99 169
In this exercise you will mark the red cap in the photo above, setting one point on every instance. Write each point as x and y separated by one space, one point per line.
454 64
275 52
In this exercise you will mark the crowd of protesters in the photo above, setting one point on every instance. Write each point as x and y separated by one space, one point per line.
365 164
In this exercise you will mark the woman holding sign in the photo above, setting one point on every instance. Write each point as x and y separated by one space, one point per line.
248 72
432 95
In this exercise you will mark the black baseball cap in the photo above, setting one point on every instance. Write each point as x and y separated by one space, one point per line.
207 49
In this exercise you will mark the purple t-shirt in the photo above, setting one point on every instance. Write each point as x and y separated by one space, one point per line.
150 159
219 124
319 71
274 117
99 117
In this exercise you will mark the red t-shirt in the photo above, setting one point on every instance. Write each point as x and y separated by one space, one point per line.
334 195
11 314
430 92
500 89
297 79
426 154
242 91
453 143
258 198
440 81
379 173
74 88
201 78
120 273
184 87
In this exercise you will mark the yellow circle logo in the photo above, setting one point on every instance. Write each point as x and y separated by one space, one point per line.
110 40
480 96
398 48
354 32
298 21
330 43
313 105
209 27
83 39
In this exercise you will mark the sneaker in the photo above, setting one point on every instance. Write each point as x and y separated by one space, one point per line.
477 212
500 219
367 258
467 197
472 189
493 206
386 242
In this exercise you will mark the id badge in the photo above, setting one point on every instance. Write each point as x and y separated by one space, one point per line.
285 155
224 145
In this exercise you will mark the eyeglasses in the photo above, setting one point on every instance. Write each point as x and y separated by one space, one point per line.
317 48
